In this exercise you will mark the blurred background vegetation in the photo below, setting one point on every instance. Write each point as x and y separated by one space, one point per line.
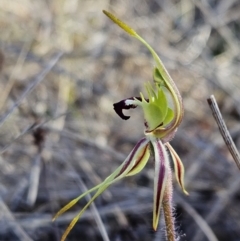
63 65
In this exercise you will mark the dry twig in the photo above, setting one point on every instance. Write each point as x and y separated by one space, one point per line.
11 223
223 130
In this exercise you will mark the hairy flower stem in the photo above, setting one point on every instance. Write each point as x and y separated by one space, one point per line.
167 209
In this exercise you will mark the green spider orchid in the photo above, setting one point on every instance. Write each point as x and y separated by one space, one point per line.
163 112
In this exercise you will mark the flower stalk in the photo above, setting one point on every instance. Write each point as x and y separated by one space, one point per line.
168 210
161 119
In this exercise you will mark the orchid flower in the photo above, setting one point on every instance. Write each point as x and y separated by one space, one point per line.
163 113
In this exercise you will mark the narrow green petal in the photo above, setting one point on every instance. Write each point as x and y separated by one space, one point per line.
109 179
141 162
139 154
135 155
178 167
74 201
160 179
76 218
162 70
140 150
151 92
121 24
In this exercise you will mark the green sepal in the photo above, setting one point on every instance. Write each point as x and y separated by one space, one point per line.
169 117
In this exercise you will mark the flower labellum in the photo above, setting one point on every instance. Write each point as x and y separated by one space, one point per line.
163 113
